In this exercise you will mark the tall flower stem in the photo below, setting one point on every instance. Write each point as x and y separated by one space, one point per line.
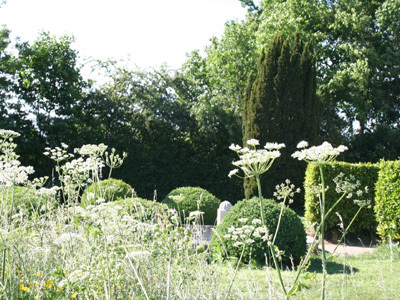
261 200
322 228
271 246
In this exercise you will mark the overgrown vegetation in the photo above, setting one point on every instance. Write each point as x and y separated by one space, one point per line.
134 248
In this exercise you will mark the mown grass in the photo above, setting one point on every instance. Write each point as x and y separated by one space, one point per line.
366 276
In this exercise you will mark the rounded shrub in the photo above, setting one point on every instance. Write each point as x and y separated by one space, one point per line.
186 199
110 189
291 236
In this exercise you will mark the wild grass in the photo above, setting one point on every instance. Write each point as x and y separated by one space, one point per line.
109 251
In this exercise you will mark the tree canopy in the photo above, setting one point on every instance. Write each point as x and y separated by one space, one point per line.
177 125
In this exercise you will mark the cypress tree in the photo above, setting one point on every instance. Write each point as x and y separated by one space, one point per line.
280 105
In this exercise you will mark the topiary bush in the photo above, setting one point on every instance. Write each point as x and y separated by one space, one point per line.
188 203
366 173
291 237
387 200
110 189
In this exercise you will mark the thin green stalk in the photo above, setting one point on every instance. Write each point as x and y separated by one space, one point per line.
279 221
137 277
307 258
322 234
265 226
9 224
334 205
234 274
169 274
261 200
345 231
278 270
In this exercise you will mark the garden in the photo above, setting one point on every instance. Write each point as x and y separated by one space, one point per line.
250 172
94 238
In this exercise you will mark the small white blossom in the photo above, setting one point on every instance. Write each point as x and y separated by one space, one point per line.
234 147
253 142
237 244
274 146
302 144
233 172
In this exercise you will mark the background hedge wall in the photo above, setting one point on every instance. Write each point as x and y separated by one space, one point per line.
387 200
366 173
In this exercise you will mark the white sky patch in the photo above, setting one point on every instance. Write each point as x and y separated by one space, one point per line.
151 32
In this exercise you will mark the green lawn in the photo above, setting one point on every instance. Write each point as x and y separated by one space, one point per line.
367 276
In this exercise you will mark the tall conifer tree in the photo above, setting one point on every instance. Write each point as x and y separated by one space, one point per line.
280 105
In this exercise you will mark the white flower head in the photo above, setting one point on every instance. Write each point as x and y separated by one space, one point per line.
253 142
254 162
234 147
323 153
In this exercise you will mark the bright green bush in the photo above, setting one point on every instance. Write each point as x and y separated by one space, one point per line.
291 236
366 173
109 189
387 200
189 200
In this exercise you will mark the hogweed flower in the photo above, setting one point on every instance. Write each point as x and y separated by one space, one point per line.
91 150
318 154
12 173
58 154
252 161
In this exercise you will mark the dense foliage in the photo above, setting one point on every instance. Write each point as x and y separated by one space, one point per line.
291 237
189 199
280 105
176 125
387 208
365 173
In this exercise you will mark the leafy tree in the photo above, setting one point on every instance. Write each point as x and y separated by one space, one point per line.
172 138
356 54
281 106
5 82
50 85
12 113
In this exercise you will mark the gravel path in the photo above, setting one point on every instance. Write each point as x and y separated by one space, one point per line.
343 249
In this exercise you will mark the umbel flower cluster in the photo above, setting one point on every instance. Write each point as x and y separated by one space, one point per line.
252 161
318 154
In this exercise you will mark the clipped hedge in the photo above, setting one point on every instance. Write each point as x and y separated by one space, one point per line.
387 200
291 237
111 190
190 196
366 173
